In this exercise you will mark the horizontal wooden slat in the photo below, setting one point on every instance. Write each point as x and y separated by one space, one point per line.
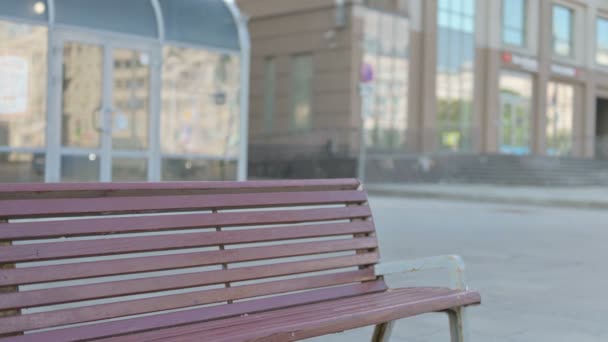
60 295
330 308
139 224
72 249
110 329
311 313
40 274
316 319
83 190
126 205
140 306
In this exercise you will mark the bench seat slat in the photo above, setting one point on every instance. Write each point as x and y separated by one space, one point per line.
73 249
80 227
302 313
116 205
60 295
315 321
177 301
41 274
141 324
72 190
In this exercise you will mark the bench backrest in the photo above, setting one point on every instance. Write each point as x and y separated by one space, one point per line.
153 247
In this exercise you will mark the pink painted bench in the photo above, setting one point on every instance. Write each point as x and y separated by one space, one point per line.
203 261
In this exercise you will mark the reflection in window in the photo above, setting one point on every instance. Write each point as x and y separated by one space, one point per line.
514 22
131 99
80 168
301 92
269 93
21 167
560 116
176 169
602 41
23 69
129 169
386 52
515 112
455 61
82 93
200 111
562 31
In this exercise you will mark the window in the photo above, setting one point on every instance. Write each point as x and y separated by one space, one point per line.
269 93
515 112
23 91
386 52
562 31
301 92
22 85
601 54
455 65
514 22
560 116
200 105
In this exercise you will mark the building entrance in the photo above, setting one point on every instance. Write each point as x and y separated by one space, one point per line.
601 129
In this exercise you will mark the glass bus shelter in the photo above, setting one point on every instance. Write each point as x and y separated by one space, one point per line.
120 90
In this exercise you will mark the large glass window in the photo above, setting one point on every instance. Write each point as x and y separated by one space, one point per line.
301 92
560 117
514 22
455 64
23 92
105 60
515 112
81 119
200 110
269 93
16 167
386 54
601 55
23 67
562 30
131 79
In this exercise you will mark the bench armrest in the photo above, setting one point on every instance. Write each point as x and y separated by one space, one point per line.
453 263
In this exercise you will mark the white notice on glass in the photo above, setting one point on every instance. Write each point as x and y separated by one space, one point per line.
13 84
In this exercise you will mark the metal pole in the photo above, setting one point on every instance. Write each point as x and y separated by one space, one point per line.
366 93
362 149
240 21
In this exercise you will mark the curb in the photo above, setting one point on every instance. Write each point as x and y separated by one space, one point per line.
563 203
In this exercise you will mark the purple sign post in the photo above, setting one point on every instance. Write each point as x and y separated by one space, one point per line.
367 73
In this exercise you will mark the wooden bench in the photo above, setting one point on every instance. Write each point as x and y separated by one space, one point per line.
203 261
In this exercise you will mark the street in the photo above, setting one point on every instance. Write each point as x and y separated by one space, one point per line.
541 271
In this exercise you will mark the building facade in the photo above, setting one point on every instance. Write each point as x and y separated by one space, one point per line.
440 77
141 90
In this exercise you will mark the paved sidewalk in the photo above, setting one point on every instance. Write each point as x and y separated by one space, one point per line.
541 271
571 197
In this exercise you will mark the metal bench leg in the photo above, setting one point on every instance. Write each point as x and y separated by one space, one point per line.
382 332
458 325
